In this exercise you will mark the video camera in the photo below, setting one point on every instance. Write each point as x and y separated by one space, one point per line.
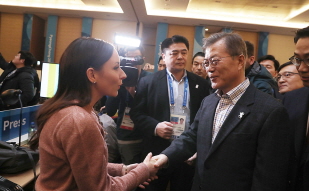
127 65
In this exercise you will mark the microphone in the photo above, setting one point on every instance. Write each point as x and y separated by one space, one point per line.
10 96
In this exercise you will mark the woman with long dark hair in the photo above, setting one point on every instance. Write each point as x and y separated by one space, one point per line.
73 154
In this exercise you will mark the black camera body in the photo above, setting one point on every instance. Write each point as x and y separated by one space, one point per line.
127 65
131 61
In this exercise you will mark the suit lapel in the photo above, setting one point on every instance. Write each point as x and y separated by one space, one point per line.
161 81
161 93
194 101
206 127
238 114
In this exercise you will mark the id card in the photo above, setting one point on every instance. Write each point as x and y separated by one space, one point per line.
127 123
179 122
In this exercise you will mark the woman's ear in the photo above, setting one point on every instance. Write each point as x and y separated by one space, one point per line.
91 75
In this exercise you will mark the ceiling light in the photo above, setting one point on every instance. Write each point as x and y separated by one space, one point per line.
127 40
206 29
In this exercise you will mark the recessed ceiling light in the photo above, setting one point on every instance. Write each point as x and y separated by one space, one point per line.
206 29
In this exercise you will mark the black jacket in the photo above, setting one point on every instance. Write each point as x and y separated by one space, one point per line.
25 79
151 106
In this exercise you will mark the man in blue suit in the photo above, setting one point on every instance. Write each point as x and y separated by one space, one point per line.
297 104
240 133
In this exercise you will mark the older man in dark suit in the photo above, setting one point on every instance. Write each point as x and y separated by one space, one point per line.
161 100
240 134
297 104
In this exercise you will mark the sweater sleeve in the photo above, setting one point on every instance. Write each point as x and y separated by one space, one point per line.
114 169
86 152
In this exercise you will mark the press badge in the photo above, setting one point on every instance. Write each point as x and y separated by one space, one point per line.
127 123
179 124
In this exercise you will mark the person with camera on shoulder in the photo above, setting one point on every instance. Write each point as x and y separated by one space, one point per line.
129 140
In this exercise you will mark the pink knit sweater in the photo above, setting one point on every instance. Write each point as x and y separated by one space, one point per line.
74 156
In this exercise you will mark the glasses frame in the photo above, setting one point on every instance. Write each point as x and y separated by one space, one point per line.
217 60
211 63
284 75
294 60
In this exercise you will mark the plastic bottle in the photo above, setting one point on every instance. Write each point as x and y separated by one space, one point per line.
32 130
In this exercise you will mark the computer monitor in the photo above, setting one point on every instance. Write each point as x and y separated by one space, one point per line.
49 79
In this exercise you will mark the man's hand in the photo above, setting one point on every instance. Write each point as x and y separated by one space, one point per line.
161 161
164 130
149 162
191 160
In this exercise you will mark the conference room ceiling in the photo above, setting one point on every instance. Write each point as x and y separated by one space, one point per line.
274 16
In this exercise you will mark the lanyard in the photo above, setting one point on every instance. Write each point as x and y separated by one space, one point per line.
7 76
185 93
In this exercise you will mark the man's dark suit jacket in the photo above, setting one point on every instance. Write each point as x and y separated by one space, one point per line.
152 106
297 105
250 152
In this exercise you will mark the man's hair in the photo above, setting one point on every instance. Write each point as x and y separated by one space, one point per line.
234 44
131 49
272 58
29 58
202 54
301 33
173 40
160 58
284 65
250 48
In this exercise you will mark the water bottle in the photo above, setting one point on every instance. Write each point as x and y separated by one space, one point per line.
32 130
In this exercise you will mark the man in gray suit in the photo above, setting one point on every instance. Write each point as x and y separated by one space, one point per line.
240 134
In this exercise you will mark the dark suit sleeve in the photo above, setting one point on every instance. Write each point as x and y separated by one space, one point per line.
273 151
26 85
185 146
139 112
3 63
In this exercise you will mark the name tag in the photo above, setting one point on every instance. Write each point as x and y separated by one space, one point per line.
179 124
127 123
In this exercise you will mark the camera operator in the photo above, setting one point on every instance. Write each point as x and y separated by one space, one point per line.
19 74
129 140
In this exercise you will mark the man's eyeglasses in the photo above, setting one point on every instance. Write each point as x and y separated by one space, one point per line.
213 61
285 75
297 61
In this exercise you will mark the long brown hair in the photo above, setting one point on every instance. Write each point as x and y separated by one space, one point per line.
74 86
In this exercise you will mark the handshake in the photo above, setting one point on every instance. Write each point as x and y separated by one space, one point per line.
153 163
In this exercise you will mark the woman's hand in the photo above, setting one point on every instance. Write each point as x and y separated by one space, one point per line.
128 168
149 162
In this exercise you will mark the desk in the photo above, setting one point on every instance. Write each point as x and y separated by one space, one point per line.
22 178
